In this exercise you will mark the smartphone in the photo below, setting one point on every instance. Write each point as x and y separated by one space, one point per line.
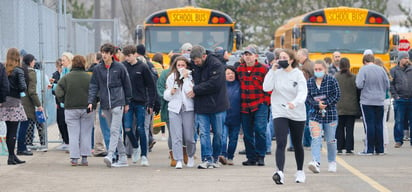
88 110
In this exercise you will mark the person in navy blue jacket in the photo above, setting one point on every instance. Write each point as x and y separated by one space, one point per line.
232 121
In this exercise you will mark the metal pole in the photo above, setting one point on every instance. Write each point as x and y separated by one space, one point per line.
42 68
65 26
60 35
97 33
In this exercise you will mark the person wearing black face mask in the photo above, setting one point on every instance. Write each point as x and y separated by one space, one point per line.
289 90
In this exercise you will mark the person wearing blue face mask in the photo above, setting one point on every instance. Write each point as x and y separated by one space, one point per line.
323 94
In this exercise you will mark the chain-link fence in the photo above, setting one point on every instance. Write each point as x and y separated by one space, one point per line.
46 33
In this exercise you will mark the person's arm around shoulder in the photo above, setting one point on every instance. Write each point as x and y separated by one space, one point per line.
216 79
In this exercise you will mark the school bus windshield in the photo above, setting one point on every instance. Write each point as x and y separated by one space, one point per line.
165 39
345 39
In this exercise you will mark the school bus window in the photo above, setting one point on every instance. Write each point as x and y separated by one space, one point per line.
163 36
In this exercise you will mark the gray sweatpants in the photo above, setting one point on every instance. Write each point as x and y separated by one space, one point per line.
114 120
182 126
80 126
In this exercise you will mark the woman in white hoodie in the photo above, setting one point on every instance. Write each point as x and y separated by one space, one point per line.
289 90
181 111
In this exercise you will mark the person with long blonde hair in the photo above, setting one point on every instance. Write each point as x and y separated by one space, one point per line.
12 110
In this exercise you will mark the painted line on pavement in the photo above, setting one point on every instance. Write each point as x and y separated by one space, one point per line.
362 176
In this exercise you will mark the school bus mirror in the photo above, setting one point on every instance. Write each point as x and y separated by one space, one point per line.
139 32
395 39
296 32
239 39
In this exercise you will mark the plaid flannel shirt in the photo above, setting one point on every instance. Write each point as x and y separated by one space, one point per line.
251 87
329 93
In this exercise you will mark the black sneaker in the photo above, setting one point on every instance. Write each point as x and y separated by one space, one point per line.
291 149
249 163
339 152
261 161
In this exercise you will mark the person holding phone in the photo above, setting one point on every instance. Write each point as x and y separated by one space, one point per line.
323 94
181 111
73 91
289 90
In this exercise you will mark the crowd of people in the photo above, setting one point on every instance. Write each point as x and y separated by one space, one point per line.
115 93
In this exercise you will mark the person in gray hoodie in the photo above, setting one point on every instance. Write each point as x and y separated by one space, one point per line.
373 82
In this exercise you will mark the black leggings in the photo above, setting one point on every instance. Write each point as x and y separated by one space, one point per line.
61 123
11 136
282 127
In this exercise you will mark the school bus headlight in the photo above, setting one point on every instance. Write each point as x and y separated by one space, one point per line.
163 19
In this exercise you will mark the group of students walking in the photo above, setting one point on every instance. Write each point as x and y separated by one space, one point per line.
201 95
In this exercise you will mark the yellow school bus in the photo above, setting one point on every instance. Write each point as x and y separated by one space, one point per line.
167 30
344 29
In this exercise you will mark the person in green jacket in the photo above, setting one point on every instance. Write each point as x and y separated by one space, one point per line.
73 91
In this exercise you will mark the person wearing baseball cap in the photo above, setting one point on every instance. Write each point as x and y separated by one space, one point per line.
401 92
254 107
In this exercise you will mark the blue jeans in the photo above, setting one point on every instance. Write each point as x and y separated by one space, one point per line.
138 112
403 114
329 130
21 138
307 139
373 123
210 152
231 133
105 129
254 129
270 132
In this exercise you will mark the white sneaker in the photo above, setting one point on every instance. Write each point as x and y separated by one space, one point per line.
278 177
108 161
314 167
144 161
190 162
122 162
300 177
332 167
136 155
179 165
216 165
63 147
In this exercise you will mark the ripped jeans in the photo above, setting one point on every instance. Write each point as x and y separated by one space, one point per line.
329 130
